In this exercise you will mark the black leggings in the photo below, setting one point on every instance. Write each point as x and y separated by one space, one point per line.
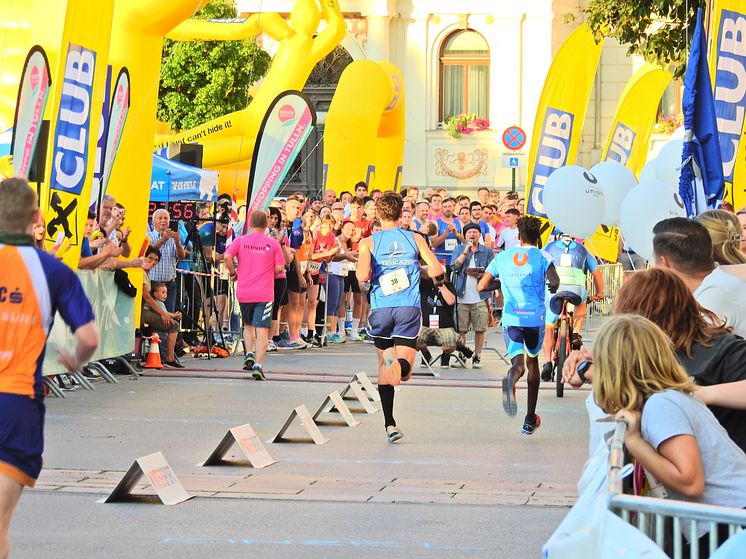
281 285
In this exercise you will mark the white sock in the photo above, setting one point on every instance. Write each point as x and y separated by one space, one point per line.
340 327
304 330
355 324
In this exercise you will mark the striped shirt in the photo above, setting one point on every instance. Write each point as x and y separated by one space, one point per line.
165 270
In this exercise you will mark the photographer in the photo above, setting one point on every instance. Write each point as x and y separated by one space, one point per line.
469 261
214 237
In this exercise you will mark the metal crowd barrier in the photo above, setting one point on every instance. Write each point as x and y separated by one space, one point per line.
613 276
661 519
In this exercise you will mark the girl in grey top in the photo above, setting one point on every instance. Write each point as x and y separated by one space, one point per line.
671 433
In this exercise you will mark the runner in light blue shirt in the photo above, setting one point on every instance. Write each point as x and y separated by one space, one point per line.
523 272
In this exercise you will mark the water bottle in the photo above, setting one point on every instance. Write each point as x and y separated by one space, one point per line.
348 319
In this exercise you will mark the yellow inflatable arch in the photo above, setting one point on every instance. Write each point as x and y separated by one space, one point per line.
364 131
229 140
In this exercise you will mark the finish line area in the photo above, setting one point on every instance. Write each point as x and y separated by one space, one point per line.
459 484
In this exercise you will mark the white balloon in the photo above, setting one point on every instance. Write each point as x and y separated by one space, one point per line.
648 171
668 164
616 181
645 205
574 201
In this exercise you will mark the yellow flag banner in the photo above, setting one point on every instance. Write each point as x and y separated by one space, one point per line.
79 92
560 115
635 116
727 61
629 138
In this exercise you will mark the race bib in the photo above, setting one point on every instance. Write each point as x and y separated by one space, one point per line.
352 266
314 267
434 321
393 282
566 260
450 244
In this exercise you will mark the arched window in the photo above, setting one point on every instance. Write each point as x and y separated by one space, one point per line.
464 75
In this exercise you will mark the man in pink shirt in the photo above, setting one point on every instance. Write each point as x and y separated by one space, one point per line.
260 258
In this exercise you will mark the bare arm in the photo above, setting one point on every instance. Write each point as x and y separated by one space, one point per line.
437 240
676 464
448 297
484 281
434 268
598 284
363 262
727 395
86 338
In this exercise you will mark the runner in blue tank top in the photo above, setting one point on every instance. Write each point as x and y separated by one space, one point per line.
523 272
390 259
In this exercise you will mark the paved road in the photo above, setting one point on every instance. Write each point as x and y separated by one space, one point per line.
462 483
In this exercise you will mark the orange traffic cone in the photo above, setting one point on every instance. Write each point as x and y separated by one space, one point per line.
153 361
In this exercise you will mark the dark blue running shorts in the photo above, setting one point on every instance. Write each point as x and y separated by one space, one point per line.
21 437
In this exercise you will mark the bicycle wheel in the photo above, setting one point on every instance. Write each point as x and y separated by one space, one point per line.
561 356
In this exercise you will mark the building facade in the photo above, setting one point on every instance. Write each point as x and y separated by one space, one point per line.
486 57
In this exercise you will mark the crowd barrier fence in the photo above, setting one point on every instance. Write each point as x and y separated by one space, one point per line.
662 519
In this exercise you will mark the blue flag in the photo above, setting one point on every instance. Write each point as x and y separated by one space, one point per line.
701 160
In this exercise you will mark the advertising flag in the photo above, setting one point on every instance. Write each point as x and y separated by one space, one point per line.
285 128
119 108
558 127
32 100
701 162
727 65
561 112
635 116
629 139
79 93
98 170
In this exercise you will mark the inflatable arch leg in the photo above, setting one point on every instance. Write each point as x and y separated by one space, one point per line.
364 131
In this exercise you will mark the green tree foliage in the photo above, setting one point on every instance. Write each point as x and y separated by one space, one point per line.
202 80
659 30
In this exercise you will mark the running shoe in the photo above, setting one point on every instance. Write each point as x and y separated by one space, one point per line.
336 339
285 335
248 362
546 372
271 345
391 373
530 427
315 341
510 405
393 433
285 344
476 362
353 336
257 373
299 343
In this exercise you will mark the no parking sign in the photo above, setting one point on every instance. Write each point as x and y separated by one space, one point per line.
514 138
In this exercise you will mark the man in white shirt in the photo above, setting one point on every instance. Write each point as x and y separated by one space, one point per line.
684 246
508 237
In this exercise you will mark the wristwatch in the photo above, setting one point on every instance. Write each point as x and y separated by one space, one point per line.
581 369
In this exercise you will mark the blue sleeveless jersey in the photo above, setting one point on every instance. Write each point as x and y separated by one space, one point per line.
394 249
